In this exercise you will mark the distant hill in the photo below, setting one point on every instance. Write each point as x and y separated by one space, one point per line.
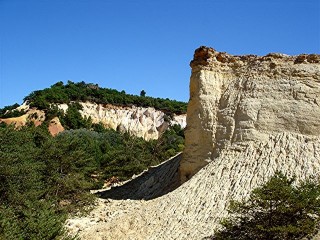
82 105
83 92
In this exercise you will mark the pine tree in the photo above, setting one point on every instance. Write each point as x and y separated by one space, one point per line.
277 210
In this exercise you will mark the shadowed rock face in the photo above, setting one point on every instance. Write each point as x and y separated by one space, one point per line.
238 99
248 117
152 183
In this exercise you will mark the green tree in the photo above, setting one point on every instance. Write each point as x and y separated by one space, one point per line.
279 210
11 111
73 119
24 213
143 93
70 159
75 92
42 178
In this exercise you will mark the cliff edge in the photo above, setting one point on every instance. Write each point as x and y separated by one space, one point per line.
236 100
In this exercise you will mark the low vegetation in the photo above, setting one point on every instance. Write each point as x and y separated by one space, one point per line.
279 210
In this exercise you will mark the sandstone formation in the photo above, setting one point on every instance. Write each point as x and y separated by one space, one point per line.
147 123
32 115
235 100
248 117
55 126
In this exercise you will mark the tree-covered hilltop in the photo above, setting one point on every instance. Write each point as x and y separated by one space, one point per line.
81 92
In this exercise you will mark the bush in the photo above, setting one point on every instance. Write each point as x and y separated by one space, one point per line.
277 210
73 119
10 111
24 212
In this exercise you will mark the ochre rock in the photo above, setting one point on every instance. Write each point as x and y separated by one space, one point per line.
55 126
147 123
32 115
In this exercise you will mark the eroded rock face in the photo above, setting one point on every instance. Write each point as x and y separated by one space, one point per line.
32 115
147 123
55 126
238 99
248 117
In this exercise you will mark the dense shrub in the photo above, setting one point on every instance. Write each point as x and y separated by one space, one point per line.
10 111
73 119
43 178
25 213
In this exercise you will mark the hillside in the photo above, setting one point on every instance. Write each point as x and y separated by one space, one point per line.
81 105
50 158
247 118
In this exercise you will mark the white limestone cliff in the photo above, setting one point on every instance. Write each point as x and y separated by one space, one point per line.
147 123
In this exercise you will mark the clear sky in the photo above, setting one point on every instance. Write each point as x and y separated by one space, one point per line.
140 44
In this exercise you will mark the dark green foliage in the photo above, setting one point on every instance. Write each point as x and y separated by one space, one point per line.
143 93
43 178
98 127
76 92
277 210
170 143
131 155
127 155
8 108
73 119
53 111
24 213
69 162
34 220
9 111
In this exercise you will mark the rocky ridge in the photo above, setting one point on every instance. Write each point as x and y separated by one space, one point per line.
248 117
147 123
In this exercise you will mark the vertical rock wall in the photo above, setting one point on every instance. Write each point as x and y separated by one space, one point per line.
238 99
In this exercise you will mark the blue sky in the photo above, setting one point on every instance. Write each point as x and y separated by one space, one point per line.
133 45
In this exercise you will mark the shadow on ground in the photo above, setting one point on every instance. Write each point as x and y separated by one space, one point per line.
152 183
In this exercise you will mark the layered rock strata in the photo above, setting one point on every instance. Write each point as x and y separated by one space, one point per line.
238 99
248 117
